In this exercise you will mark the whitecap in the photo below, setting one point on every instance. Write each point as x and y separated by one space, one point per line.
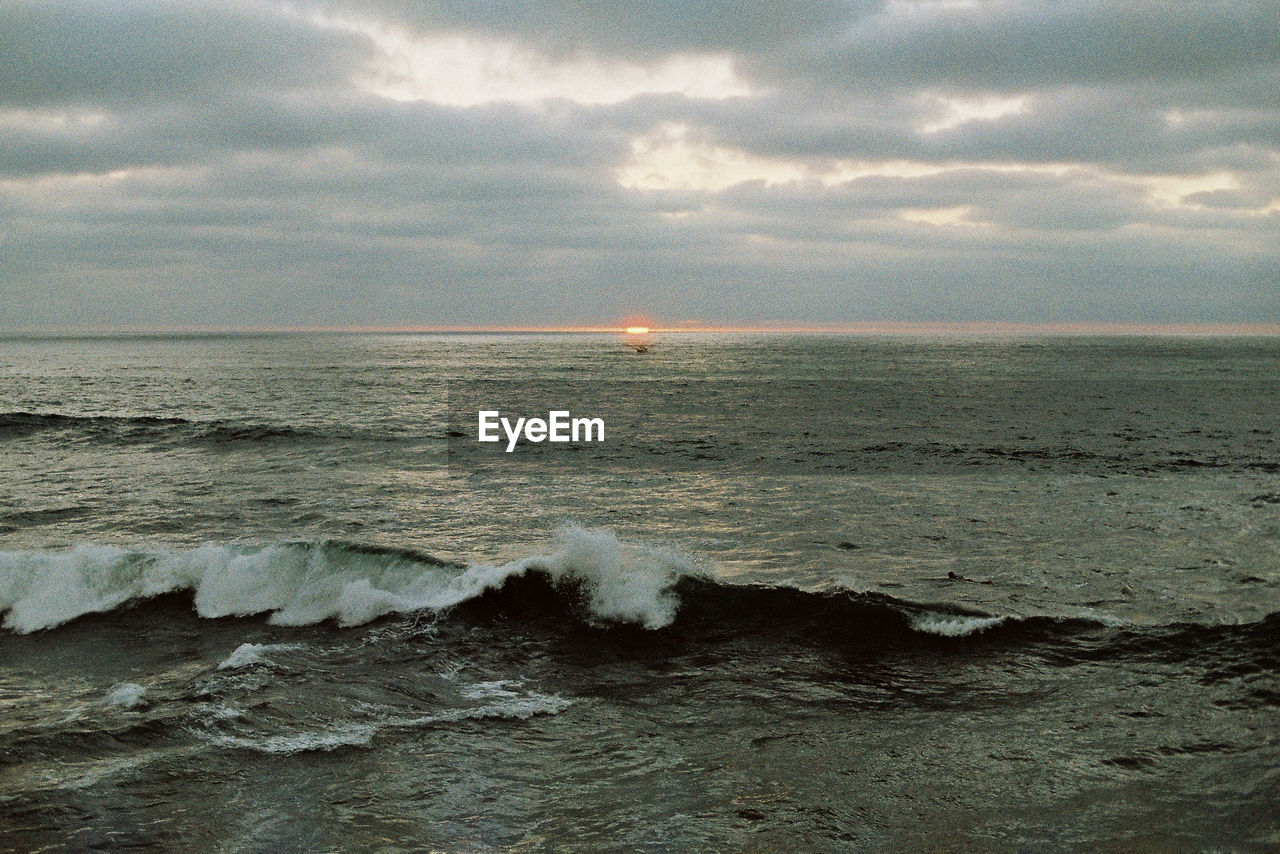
303 584
954 626
127 694
249 654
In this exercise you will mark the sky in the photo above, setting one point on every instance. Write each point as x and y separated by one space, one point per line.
323 163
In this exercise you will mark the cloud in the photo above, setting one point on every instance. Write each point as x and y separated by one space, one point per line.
960 111
465 71
391 163
1002 44
633 30
75 55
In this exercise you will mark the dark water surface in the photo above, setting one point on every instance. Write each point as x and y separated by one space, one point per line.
266 593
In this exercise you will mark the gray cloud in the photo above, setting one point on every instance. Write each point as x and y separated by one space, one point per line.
84 54
633 29
189 163
1039 42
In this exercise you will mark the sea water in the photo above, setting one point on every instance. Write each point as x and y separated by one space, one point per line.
810 593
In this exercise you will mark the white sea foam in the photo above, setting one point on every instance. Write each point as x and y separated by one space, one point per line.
513 707
510 705
126 694
954 626
301 584
624 583
249 654
506 701
331 738
497 688
1109 621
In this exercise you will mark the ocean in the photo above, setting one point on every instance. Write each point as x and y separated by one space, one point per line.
810 593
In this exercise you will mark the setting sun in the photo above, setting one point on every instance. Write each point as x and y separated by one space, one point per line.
637 330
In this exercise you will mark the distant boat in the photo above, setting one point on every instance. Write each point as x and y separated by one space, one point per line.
637 338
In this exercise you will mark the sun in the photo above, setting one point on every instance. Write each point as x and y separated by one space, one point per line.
637 330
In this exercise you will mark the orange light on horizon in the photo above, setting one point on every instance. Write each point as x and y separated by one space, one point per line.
637 330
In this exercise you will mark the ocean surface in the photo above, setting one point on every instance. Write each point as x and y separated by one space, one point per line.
811 593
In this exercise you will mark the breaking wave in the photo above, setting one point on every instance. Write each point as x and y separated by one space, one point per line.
304 583
590 581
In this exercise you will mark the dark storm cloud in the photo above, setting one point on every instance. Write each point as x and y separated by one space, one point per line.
185 163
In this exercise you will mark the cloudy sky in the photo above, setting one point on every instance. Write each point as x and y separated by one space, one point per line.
438 163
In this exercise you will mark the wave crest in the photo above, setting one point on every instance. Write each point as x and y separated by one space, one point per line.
305 583
591 580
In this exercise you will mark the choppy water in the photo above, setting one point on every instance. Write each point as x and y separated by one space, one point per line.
812 593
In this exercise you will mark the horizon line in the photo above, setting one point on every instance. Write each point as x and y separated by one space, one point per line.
857 328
